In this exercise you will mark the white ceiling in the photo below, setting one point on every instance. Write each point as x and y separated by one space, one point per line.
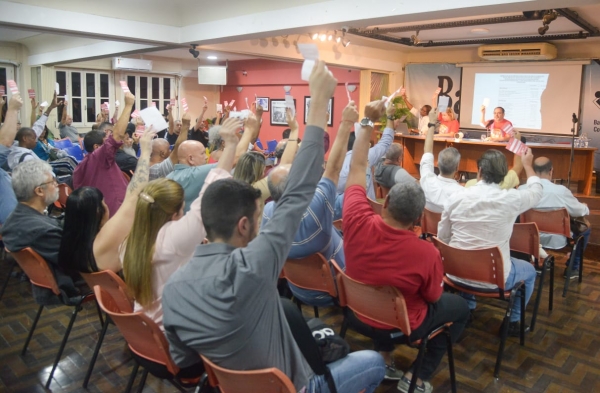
181 53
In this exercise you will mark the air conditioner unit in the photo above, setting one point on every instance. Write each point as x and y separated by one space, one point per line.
517 52
121 63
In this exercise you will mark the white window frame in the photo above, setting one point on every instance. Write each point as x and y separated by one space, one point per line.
162 102
84 97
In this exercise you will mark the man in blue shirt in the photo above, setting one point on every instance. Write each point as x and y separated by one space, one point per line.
8 201
316 233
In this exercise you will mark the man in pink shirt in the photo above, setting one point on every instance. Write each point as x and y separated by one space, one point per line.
99 168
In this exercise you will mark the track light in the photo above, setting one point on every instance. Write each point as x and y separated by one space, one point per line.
338 39
345 42
549 16
323 37
415 38
330 37
194 52
315 36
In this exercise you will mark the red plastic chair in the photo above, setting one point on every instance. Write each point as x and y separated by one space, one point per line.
146 341
39 274
557 222
63 193
376 206
486 266
116 287
429 222
525 239
386 305
312 273
269 380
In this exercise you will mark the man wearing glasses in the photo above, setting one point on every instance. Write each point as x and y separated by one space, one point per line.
29 225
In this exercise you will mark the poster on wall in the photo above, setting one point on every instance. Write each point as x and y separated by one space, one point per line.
329 110
590 115
278 113
421 80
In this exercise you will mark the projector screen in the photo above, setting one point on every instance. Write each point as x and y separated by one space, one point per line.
537 97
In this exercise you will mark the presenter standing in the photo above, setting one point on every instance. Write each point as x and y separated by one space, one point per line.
500 128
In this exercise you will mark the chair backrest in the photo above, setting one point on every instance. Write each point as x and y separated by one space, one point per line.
269 380
384 191
382 303
142 334
312 272
376 206
36 268
75 151
430 221
126 176
259 144
484 265
63 194
63 143
114 285
550 221
271 146
525 238
338 224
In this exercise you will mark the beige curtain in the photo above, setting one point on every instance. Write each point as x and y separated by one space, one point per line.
380 85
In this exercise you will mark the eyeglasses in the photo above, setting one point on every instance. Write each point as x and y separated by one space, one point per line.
48 182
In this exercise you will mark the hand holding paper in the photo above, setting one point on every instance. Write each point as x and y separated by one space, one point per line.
516 146
152 117
15 103
12 85
310 52
129 99
31 93
289 104
348 92
184 105
124 86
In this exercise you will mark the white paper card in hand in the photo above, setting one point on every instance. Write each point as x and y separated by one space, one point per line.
184 104
516 146
152 117
443 102
309 51
31 93
12 85
124 86
307 68
289 103
44 104
219 107
486 102
57 88
66 97
239 115
247 106
139 130
117 103
231 103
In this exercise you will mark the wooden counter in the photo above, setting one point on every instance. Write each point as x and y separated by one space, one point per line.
471 150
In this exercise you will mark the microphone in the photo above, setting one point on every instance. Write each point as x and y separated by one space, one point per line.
575 120
489 124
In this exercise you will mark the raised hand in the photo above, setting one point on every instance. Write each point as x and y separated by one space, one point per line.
53 103
259 111
322 84
437 92
136 138
15 103
527 158
252 122
391 109
34 103
374 110
129 99
291 119
229 129
2 101
482 108
350 113
146 139
186 118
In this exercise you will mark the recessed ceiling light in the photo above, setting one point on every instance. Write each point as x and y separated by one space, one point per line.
480 31
211 57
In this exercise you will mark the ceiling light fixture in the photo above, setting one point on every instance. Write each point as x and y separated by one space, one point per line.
315 36
415 38
345 41
330 37
193 51
323 37
211 57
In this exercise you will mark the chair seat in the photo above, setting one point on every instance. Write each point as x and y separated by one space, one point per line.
473 290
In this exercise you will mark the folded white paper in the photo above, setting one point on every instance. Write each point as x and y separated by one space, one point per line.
117 103
289 103
486 102
152 117
307 68
44 104
309 51
57 88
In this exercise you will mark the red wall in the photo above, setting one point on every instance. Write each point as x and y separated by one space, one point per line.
266 78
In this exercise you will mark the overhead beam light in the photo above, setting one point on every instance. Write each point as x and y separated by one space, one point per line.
315 36
549 16
194 52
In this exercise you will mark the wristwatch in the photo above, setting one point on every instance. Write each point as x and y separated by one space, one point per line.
391 118
366 122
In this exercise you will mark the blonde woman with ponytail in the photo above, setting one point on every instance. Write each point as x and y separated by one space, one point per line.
162 238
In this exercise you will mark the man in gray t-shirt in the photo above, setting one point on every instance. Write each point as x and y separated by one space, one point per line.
388 171
65 127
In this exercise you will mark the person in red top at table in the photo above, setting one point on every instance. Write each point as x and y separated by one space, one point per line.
384 250
501 129
448 123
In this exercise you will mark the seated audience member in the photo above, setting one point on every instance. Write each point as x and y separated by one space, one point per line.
483 216
8 200
131 145
316 232
162 163
90 240
388 171
251 169
375 154
29 225
420 283
500 128
160 151
44 148
448 123
65 126
285 135
163 238
215 145
421 115
174 128
556 196
212 305
99 168
125 161
104 115
27 139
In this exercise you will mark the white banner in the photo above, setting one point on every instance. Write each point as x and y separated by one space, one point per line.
590 108
421 80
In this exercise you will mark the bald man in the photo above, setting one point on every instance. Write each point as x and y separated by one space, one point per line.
161 150
556 196
316 232
191 170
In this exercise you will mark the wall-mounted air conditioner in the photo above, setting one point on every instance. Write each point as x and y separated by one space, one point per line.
518 52
121 63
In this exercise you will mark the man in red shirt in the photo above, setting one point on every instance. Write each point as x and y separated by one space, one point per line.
99 168
383 250
501 129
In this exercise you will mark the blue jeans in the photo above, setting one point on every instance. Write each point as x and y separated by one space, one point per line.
520 271
579 256
353 373
312 298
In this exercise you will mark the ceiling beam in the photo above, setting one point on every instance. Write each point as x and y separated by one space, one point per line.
579 21
88 52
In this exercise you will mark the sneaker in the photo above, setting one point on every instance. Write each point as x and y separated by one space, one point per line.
392 374
574 273
404 384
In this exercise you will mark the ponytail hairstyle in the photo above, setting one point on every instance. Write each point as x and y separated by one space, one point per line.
156 205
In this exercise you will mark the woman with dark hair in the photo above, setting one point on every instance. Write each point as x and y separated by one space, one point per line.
44 148
85 214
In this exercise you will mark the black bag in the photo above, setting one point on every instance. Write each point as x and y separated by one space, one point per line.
331 346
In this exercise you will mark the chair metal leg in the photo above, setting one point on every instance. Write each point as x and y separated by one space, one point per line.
35 321
522 299
62 344
504 332
96 352
418 364
142 381
344 327
538 298
12 267
550 261
134 371
451 361
316 310
100 314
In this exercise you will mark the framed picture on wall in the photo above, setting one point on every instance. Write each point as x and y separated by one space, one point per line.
264 102
278 112
329 110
